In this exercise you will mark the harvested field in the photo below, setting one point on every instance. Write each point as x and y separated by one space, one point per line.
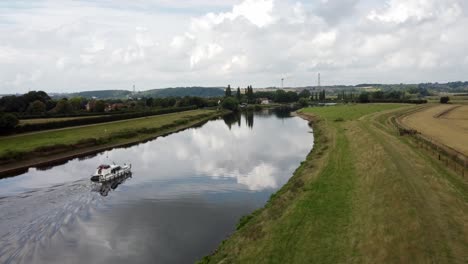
446 124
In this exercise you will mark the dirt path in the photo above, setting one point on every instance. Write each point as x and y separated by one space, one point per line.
446 112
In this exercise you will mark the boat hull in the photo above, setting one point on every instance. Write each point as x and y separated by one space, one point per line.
112 176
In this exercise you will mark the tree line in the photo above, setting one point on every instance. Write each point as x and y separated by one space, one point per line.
38 104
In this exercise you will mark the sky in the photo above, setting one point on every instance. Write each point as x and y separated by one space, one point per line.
67 46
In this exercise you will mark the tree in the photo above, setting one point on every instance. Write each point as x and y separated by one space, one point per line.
304 94
238 94
444 100
63 107
36 107
149 102
230 103
36 95
364 97
99 106
281 96
303 102
292 96
228 92
378 95
250 94
8 121
322 95
394 95
76 103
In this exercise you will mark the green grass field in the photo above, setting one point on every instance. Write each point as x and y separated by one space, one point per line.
49 120
364 195
67 136
348 111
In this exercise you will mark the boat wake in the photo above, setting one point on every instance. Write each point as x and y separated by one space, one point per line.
28 220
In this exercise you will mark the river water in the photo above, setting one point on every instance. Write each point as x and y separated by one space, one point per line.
186 194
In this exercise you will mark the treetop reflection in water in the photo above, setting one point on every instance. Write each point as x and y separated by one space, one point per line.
186 194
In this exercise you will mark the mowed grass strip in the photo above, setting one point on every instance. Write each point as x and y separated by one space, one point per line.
68 136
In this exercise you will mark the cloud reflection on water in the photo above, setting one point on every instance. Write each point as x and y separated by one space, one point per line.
187 187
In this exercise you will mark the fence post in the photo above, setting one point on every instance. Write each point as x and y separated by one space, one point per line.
464 167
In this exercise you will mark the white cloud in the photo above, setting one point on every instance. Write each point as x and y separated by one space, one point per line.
96 45
204 52
399 11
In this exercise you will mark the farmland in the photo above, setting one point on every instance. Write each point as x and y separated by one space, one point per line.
363 195
446 124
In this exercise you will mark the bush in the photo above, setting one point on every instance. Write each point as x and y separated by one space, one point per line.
303 102
444 99
8 121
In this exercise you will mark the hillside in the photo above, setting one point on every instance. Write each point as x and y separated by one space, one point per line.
165 92
102 94
184 91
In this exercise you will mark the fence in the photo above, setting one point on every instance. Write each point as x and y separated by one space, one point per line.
450 157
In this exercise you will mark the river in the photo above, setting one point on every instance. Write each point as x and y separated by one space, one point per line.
186 194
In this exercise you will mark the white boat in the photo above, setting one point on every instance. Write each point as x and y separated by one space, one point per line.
105 173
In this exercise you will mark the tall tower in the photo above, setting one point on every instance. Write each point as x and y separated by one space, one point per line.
282 83
318 83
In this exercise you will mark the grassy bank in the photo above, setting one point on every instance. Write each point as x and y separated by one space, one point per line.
363 195
20 147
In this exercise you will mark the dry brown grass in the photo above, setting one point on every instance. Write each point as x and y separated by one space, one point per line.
450 129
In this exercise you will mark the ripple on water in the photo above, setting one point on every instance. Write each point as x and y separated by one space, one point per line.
30 219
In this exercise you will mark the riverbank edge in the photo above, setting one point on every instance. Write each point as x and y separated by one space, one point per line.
21 166
317 158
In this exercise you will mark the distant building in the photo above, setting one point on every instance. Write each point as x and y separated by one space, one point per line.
115 107
90 105
264 101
